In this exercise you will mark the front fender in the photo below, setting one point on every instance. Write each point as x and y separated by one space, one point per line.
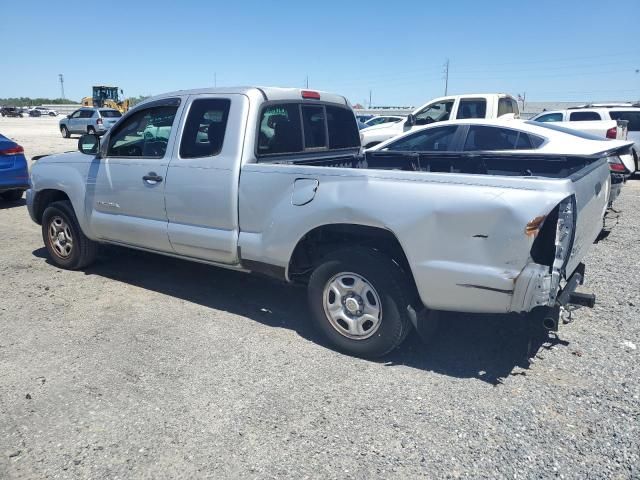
68 178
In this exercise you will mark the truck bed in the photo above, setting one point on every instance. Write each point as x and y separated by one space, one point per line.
494 163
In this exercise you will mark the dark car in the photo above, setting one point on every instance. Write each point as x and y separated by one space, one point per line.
14 173
11 112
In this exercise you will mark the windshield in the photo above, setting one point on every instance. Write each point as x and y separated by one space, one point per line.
575 133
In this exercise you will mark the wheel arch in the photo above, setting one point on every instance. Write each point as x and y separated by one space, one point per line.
314 245
43 199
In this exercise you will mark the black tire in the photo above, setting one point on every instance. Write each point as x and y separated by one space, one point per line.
12 195
389 282
51 114
65 132
83 251
91 130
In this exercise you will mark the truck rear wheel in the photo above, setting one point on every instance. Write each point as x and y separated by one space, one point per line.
68 247
359 301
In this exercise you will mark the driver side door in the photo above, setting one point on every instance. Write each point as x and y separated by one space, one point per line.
129 179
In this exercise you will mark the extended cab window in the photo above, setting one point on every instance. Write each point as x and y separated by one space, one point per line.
584 116
296 127
472 108
481 137
505 106
143 134
436 112
550 117
437 139
204 130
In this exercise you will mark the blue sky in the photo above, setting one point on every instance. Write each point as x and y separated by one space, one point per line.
552 50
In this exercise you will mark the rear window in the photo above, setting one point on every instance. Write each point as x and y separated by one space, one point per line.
295 127
570 131
110 113
632 117
584 116
343 131
472 108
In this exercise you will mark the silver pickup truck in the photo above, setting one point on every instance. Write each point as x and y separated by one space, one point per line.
274 181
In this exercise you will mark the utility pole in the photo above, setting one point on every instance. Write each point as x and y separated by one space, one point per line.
369 98
522 98
446 76
215 79
61 77
307 81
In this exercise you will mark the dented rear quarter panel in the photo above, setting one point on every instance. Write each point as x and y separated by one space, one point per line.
464 235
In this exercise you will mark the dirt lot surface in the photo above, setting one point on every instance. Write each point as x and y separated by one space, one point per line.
149 367
38 135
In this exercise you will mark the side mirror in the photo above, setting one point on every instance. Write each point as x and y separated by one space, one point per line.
411 120
68 116
89 144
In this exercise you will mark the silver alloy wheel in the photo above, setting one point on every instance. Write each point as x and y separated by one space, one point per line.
352 305
60 237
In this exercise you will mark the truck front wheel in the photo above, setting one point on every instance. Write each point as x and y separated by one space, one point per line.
68 247
359 301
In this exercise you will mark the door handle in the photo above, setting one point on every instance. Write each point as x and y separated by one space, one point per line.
152 178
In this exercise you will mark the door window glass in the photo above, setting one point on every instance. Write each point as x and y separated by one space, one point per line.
204 130
481 137
76 114
472 108
584 116
550 117
432 139
436 112
143 134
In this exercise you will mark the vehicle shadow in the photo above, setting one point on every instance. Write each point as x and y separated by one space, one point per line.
18 203
485 347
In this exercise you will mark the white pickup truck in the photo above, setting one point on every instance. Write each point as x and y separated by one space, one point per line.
454 107
273 180
597 121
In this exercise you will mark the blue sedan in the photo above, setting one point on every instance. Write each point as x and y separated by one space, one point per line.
14 173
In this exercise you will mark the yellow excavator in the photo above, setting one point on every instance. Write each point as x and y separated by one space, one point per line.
107 97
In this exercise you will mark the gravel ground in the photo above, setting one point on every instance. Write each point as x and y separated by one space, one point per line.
150 367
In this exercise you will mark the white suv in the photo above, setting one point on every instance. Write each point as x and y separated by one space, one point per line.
601 111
